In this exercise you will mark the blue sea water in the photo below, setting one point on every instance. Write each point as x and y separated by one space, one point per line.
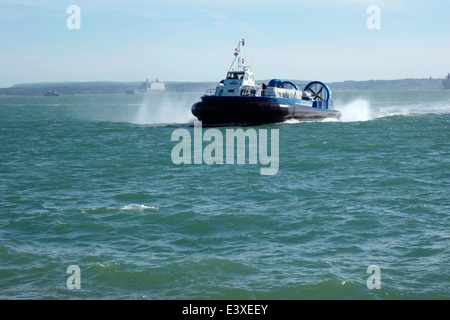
88 181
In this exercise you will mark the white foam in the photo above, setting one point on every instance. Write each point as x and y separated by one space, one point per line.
139 207
292 121
413 109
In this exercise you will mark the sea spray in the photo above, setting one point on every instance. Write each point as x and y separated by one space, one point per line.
376 104
165 108
358 110
413 109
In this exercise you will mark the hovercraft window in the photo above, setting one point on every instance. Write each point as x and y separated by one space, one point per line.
231 91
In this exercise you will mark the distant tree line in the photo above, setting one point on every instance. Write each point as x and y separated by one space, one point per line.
73 88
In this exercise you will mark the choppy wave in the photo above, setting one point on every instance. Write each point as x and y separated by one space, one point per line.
130 207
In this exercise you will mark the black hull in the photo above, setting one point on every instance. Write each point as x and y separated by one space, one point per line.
255 110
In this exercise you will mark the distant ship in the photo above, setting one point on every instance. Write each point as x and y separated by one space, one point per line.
147 86
52 94
446 82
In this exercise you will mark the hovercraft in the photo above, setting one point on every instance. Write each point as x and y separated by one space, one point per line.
239 100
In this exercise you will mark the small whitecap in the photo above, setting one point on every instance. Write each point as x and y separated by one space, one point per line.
139 207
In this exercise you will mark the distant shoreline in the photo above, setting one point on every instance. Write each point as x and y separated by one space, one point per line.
111 87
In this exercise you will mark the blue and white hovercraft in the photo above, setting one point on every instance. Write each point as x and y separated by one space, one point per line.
239 100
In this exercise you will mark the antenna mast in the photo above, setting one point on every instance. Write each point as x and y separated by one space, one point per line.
237 55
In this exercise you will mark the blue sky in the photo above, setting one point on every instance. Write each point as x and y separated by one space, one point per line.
195 40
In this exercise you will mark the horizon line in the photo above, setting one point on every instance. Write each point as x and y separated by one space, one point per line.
205 81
